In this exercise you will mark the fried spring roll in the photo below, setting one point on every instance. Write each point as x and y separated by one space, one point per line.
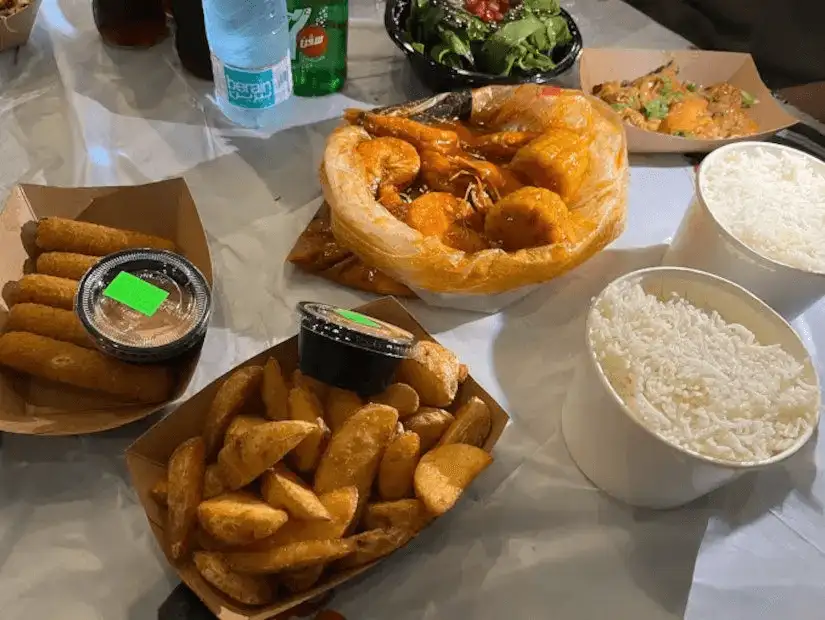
62 235
65 264
47 290
47 321
67 363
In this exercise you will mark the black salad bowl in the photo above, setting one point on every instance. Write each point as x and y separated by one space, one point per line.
441 78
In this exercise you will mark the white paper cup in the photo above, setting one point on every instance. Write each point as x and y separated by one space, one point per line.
701 242
626 459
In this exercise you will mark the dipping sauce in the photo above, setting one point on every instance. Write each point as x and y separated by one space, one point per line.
144 305
349 350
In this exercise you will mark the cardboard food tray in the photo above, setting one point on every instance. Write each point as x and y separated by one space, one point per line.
147 458
37 407
16 28
604 65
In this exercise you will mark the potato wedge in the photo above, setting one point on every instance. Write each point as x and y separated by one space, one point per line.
186 470
304 405
206 542
395 473
251 454
429 424
213 484
400 397
432 371
471 426
290 557
341 406
302 580
319 388
463 373
445 471
283 489
274 391
407 514
239 518
354 452
245 589
160 492
229 400
342 505
372 545
240 424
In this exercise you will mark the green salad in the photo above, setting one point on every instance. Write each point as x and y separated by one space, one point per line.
489 36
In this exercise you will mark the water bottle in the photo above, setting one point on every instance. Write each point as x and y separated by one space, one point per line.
249 42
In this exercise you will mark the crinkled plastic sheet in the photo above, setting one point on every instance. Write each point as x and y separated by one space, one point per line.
533 539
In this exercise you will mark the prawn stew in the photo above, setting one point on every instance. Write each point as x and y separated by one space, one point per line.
473 187
661 102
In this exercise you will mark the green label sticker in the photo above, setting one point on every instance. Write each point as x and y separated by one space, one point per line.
135 293
356 317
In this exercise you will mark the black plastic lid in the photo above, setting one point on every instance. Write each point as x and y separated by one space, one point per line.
144 305
354 328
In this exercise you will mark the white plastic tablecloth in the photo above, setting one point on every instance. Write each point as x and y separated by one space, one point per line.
533 539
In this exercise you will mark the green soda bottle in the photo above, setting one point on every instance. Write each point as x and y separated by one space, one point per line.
318 36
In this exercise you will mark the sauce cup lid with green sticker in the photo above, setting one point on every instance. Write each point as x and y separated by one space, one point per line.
348 349
144 305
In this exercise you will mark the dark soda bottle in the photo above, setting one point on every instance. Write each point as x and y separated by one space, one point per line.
190 38
130 23
318 38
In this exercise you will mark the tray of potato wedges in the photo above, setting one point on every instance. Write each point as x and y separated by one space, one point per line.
272 485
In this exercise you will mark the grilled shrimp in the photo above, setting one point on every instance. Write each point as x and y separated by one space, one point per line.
447 217
500 145
418 134
391 165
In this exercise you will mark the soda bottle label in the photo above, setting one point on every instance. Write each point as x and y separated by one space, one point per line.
318 34
253 89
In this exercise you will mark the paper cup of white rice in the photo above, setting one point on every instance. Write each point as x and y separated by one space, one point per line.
758 219
688 382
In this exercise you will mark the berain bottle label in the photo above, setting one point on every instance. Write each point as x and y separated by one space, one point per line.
253 89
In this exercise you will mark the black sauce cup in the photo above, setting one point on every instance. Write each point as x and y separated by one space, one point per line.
441 78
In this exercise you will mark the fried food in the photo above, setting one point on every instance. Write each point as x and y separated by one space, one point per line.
444 472
213 484
304 405
374 544
395 473
341 504
250 455
432 371
160 492
274 391
240 424
319 388
407 514
290 557
65 264
185 492
62 235
429 424
232 395
354 452
341 405
246 589
392 165
46 290
301 580
282 488
529 218
239 518
73 365
471 426
50 322
400 397
557 161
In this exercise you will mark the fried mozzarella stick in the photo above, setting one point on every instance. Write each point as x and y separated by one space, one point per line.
67 363
62 235
47 321
65 264
47 290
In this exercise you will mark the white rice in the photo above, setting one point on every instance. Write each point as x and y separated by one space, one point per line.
697 381
772 200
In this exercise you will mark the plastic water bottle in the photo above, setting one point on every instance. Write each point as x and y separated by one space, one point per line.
249 42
